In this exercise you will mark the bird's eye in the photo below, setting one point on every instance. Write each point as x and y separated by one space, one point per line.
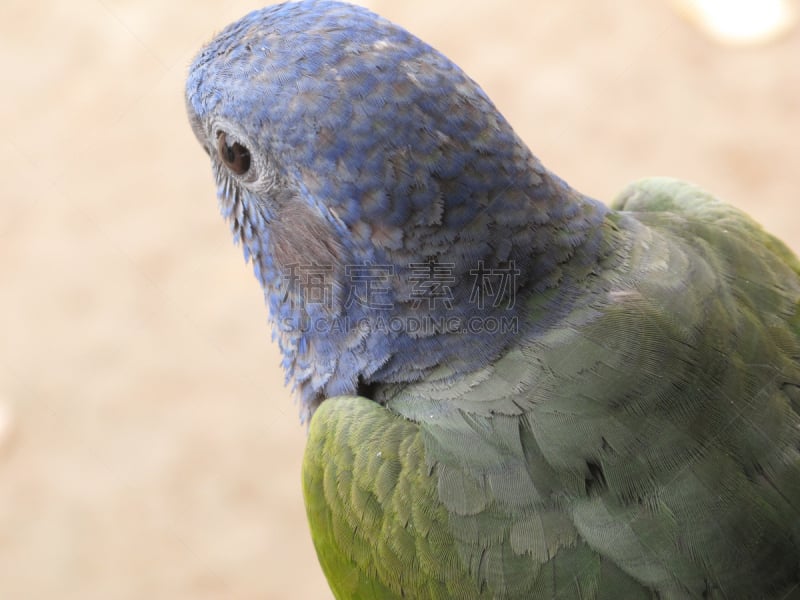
235 156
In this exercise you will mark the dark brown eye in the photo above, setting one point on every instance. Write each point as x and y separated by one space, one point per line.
235 156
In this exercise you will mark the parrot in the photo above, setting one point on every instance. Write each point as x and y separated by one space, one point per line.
512 389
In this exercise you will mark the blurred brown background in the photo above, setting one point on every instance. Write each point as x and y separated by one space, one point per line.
148 448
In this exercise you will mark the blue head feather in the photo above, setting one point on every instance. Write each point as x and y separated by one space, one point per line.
382 182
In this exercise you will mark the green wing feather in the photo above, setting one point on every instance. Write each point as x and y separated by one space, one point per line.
645 446
388 525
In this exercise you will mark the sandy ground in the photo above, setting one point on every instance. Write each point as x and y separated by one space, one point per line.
148 448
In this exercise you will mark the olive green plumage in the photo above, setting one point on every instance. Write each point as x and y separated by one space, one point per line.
644 445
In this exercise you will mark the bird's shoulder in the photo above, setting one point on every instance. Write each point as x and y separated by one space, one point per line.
690 210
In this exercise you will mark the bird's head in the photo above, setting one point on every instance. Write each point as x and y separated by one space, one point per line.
369 180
